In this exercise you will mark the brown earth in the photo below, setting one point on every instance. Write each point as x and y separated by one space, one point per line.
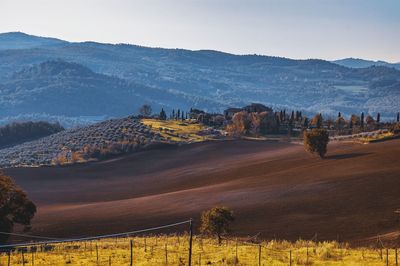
274 188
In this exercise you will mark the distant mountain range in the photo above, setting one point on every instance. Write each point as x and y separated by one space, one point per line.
46 77
361 63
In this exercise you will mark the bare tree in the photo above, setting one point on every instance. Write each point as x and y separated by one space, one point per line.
145 110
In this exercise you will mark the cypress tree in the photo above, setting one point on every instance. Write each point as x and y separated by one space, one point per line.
319 121
398 117
163 115
306 122
362 120
378 118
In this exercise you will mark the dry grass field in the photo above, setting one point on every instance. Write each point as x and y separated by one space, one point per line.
174 250
176 130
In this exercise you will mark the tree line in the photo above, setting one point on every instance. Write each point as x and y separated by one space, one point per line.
19 132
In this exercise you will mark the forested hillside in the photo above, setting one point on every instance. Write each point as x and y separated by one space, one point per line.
103 79
19 132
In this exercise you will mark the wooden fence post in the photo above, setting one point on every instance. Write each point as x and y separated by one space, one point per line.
97 255
131 245
23 258
259 255
33 258
397 263
166 255
9 258
200 259
290 258
236 256
387 257
190 241
307 255
109 260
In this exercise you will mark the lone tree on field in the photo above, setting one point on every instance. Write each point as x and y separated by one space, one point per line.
216 222
316 141
145 110
15 207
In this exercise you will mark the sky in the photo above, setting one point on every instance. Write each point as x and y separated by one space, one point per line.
326 29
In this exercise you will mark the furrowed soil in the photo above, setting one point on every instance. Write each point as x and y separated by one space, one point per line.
274 188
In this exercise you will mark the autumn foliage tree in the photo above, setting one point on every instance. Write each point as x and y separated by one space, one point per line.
317 121
316 141
216 222
239 125
15 207
253 123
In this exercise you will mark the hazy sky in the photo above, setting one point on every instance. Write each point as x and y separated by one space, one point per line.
328 29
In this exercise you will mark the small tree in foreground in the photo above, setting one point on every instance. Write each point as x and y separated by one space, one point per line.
216 222
15 207
316 141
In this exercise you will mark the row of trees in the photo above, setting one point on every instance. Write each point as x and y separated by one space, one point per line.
146 111
244 123
19 132
250 123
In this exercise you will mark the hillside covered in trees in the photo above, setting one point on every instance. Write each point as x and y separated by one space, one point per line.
34 71
100 140
20 132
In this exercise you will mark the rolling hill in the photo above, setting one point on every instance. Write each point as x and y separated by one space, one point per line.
177 78
274 188
127 134
361 63
60 88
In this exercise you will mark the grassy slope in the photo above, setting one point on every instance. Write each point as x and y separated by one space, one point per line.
176 130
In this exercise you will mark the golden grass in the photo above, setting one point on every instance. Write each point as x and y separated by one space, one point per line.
173 250
177 130
378 137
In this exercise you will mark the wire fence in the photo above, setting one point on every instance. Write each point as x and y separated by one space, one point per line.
152 246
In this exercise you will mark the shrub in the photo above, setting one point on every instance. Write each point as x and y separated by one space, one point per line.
316 141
